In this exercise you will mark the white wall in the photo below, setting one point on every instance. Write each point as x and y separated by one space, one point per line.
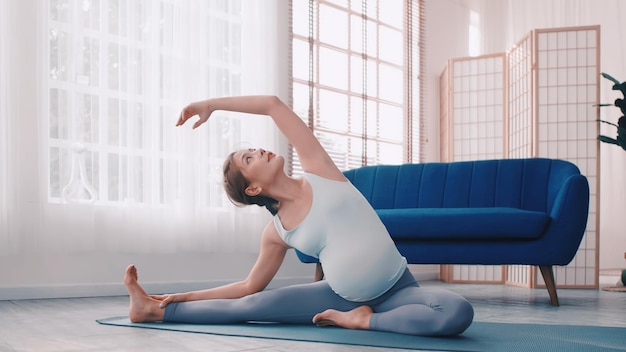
505 22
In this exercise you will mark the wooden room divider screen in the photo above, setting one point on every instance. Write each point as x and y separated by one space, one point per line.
539 99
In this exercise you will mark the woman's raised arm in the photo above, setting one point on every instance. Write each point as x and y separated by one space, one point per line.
312 155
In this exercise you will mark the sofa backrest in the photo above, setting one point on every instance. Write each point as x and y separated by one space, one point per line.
530 184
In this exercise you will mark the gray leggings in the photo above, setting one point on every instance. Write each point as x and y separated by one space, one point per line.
405 308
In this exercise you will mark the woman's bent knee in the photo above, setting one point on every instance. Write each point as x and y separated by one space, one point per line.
459 318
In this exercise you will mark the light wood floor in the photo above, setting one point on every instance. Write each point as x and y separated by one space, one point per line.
69 324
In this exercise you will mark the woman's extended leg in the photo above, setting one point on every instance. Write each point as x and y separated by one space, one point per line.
423 311
406 308
295 304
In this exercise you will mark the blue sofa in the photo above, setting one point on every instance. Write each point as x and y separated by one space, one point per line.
490 212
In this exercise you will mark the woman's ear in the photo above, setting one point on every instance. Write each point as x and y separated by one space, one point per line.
253 190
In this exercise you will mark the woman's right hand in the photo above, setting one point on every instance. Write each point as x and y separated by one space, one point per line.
167 299
200 108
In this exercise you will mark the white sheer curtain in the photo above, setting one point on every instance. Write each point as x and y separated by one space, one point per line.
90 158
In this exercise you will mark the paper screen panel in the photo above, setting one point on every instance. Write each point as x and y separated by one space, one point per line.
520 126
473 129
567 90
519 275
444 116
477 107
477 273
519 120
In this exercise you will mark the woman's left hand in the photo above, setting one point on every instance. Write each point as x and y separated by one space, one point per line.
158 297
200 108
167 299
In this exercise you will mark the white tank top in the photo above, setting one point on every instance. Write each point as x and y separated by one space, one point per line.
360 260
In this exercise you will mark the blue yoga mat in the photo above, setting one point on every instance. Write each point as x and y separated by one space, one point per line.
480 336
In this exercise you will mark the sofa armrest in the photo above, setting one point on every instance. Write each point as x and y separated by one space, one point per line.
568 214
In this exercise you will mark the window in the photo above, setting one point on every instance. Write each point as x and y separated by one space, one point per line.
356 78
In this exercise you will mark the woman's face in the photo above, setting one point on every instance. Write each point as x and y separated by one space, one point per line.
258 165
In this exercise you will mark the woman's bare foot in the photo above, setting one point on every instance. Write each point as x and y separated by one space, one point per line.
143 308
358 318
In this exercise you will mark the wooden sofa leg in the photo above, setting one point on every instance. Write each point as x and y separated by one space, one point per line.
548 278
319 272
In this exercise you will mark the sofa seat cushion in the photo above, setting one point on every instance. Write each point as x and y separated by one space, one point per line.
464 223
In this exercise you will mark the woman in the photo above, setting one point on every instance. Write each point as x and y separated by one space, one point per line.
367 286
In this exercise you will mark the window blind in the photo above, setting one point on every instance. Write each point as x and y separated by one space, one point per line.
357 78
